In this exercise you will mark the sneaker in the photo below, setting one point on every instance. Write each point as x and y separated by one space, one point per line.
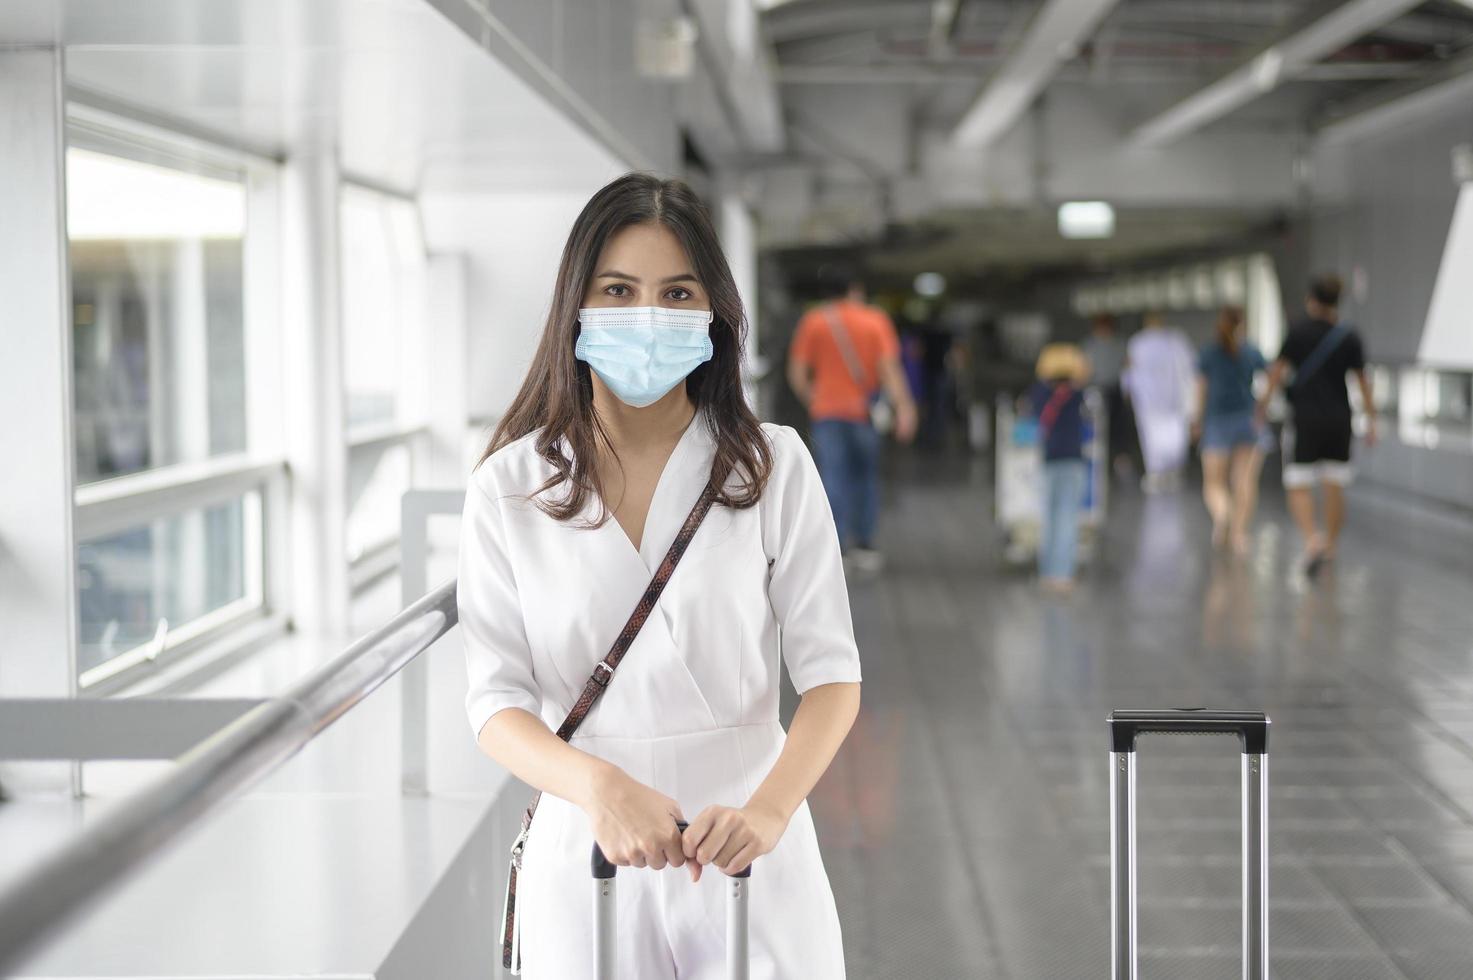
867 559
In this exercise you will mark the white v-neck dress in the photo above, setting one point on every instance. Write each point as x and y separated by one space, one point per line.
693 709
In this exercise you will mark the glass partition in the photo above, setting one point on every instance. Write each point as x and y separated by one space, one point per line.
157 314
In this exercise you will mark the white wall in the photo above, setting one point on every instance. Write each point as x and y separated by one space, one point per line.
512 243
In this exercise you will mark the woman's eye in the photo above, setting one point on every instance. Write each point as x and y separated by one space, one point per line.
680 294
617 290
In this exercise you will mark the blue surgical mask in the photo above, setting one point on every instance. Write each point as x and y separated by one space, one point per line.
641 352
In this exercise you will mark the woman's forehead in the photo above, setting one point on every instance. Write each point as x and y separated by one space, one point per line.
648 250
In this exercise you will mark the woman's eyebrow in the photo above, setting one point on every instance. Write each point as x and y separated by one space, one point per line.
616 274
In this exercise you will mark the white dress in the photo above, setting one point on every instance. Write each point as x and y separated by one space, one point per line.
693 709
1160 378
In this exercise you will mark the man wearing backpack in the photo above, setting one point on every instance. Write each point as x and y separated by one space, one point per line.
843 355
1320 351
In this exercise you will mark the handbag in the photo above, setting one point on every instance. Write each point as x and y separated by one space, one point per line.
598 681
881 412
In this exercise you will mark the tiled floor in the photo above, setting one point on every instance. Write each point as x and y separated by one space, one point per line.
966 822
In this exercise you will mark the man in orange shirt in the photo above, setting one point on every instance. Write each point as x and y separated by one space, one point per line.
843 353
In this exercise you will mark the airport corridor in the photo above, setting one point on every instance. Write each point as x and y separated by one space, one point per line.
966 823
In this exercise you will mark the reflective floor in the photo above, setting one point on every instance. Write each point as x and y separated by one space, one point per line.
966 822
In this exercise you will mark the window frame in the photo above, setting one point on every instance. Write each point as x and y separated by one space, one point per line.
114 504
410 427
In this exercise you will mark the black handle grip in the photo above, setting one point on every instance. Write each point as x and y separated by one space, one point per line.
1250 726
604 868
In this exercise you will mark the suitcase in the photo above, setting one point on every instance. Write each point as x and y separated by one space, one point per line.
604 913
1251 727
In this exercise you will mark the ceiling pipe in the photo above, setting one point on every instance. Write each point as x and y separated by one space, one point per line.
1054 36
1448 86
1327 30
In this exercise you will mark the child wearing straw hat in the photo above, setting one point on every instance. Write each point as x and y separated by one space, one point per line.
1056 399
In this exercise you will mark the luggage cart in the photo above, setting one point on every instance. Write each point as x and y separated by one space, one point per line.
1018 476
1251 727
604 913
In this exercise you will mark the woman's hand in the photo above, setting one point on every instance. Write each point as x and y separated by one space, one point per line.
731 838
633 824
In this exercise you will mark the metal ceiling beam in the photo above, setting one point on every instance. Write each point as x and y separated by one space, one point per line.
1450 84
735 50
1054 36
1326 29
945 16
1130 74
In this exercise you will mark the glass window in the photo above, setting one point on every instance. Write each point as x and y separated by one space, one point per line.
156 273
1436 408
383 303
147 582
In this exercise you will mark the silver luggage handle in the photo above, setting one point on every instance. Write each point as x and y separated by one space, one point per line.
1251 727
604 917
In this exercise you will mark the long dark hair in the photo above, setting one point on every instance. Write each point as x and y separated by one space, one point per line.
1228 321
556 397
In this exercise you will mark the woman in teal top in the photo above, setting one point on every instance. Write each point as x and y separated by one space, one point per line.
1231 442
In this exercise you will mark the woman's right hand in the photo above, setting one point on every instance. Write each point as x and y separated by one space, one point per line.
634 824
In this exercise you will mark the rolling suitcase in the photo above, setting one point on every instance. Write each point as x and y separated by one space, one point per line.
604 912
1251 727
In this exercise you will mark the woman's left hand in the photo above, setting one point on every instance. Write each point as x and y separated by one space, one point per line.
731 838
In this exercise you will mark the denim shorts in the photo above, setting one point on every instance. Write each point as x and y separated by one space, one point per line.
1221 433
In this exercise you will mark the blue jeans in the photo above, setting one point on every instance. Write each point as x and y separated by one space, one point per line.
1063 482
848 457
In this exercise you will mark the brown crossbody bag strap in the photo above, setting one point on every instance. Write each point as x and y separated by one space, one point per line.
597 683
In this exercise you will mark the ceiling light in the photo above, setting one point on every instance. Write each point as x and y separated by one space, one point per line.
1086 219
930 284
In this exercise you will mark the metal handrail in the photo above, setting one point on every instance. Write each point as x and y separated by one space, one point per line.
60 886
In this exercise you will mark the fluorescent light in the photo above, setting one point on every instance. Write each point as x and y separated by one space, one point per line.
1086 219
930 284
113 198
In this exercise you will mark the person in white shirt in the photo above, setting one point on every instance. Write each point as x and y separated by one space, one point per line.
632 405
1160 378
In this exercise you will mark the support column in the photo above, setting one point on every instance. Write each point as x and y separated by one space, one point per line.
38 593
315 400
447 402
187 542
738 232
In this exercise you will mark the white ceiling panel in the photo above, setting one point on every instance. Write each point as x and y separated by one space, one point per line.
410 100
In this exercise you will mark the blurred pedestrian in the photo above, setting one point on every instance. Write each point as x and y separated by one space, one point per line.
1321 351
1159 376
1230 438
843 354
1106 353
1056 399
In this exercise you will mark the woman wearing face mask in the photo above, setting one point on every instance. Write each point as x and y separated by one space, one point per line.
632 408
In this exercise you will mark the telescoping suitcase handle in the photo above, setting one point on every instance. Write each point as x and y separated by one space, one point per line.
604 912
1251 727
